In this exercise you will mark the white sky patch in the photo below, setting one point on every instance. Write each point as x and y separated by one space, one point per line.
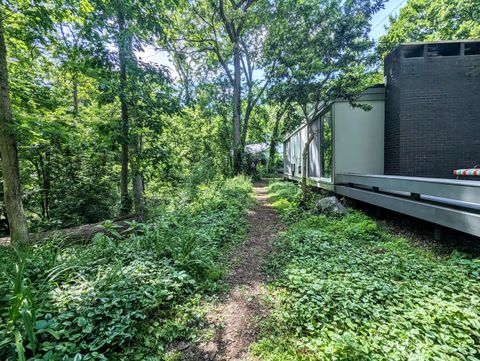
380 19
161 57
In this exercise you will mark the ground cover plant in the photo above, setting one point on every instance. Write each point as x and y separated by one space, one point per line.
348 290
121 296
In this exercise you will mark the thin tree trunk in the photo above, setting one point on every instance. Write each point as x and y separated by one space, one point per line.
123 43
47 183
311 136
137 176
8 150
138 195
237 91
44 182
40 185
274 140
246 120
251 103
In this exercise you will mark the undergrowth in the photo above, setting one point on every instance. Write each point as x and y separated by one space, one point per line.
121 297
347 290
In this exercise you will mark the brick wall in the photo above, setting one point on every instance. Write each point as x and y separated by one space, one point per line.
432 113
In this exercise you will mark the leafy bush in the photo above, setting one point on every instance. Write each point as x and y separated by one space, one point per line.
346 290
120 297
285 197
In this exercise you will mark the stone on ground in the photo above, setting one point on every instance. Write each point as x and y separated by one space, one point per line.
330 205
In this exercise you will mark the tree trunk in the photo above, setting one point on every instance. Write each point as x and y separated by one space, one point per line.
124 46
274 140
137 176
40 185
237 92
44 179
246 119
311 136
46 184
138 194
8 150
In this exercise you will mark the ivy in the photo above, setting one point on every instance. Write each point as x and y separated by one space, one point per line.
347 290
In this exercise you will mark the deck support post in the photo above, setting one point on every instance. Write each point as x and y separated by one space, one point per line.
439 233
379 213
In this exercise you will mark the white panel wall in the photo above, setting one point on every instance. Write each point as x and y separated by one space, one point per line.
359 138
294 154
291 155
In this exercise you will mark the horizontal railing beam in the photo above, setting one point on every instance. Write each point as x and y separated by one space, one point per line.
460 190
458 219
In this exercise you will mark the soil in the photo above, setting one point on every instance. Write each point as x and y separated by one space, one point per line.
236 316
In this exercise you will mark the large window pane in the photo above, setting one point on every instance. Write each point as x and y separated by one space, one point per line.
314 151
326 145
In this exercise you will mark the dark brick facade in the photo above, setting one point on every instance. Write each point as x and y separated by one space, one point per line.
432 109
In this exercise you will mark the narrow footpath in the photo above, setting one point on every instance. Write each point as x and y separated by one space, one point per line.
236 316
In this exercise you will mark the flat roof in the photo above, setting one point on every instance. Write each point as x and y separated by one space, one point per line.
432 42
440 42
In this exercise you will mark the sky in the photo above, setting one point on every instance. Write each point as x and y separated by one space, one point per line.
379 20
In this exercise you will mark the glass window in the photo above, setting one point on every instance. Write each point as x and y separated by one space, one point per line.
326 145
314 151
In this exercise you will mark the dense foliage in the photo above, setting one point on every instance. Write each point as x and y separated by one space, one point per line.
94 116
91 129
347 290
421 20
121 296
97 122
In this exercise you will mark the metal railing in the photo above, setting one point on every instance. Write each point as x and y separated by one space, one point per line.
454 189
448 202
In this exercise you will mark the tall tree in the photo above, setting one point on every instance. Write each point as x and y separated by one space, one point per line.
125 55
421 20
29 25
228 33
8 151
319 51
128 25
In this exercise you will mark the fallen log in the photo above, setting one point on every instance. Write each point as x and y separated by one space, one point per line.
81 233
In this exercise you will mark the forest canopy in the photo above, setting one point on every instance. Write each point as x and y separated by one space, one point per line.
96 127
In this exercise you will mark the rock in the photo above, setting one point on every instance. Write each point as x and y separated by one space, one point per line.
330 205
182 346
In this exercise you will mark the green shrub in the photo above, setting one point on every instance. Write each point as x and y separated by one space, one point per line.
285 198
120 297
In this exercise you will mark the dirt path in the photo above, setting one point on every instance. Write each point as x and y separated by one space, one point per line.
236 316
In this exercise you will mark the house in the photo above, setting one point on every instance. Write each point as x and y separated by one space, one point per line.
347 139
424 122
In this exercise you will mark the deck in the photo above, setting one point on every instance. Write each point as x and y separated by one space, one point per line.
447 202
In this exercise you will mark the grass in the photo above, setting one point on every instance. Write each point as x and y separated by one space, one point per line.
347 290
122 297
